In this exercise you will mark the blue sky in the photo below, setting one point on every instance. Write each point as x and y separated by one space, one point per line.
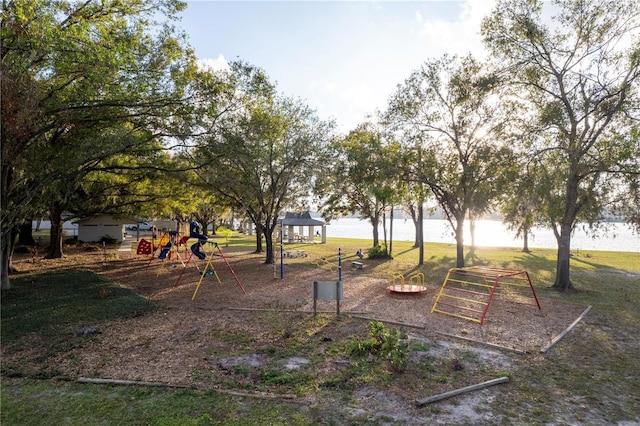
343 58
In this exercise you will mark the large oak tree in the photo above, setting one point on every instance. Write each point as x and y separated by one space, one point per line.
449 108
259 152
576 65
361 177
70 70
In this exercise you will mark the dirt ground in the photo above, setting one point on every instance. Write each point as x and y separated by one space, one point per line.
164 346
518 327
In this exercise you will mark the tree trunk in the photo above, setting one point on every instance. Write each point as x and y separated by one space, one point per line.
460 241
384 232
270 247
415 220
376 238
391 233
259 234
563 278
26 234
54 251
525 238
7 239
420 234
472 231
268 238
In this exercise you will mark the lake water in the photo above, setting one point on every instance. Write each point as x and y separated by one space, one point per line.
491 233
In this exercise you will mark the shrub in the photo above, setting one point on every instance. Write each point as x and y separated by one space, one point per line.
108 239
71 241
377 252
225 232
388 344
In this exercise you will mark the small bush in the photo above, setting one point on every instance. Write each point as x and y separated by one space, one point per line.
388 344
222 229
377 252
225 232
108 239
71 241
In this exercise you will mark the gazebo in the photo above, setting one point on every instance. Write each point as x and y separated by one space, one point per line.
302 220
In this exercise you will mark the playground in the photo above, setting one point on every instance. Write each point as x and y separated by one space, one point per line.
508 325
488 306
227 334
233 290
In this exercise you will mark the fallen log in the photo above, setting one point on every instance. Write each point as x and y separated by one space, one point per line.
435 398
127 382
564 333
168 385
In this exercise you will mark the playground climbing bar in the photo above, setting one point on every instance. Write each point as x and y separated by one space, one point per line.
468 292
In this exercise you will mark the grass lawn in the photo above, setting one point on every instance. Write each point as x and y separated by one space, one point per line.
591 377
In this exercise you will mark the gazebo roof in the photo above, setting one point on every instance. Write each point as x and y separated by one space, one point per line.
301 219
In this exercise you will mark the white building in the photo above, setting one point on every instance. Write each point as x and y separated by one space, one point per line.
93 228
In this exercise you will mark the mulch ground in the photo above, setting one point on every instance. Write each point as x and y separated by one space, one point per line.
165 346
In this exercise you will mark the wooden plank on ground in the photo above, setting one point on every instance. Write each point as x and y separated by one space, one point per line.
564 333
439 397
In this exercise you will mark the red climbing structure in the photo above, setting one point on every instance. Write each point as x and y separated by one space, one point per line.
467 292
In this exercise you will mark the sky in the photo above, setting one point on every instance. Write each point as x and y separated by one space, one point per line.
342 58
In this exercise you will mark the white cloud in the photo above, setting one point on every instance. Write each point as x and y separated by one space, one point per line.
346 101
214 64
329 86
326 86
353 73
461 36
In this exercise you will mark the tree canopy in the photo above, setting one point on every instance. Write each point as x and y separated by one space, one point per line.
70 72
448 108
577 65
348 186
264 155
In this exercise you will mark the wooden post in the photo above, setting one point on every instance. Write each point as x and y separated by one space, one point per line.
449 394
564 333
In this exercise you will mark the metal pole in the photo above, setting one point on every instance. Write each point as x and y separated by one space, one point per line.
339 264
338 298
281 252
315 297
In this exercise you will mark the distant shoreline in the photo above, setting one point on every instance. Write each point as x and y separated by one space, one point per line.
492 233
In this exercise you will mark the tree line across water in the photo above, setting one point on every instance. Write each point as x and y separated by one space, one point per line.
106 110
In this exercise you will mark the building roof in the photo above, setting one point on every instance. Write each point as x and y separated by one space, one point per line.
105 218
301 219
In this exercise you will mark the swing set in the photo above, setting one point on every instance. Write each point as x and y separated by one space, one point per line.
209 269
169 247
196 250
